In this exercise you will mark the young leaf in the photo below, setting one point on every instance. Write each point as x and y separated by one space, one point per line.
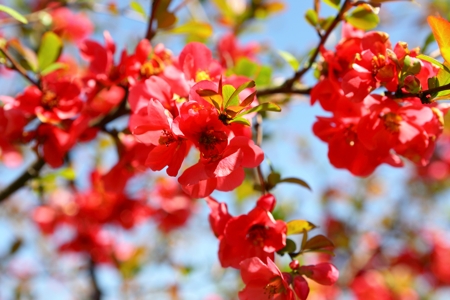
296 181
363 18
227 93
234 98
49 50
299 226
268 106
441 32
13 14
318 242
200 29
250 98
240 120
53 67
289 248
312 17
431 60
333 3
290 59
137 7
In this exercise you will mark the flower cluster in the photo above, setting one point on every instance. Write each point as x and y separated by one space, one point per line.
367 129
249 242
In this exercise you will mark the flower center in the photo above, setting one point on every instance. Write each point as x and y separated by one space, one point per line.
202 75
49 99
275 286
166 138
257 235
212 143
392 121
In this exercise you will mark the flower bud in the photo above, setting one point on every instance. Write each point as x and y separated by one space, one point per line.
294 264
323 273
301 287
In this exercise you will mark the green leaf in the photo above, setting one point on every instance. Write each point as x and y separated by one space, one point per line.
234 98
268 106
137 7
67 173
261 74
333 3
299 226
53 67
200 29
318 242
289 248
13 13
49 50
363 17
273 179
443 78
433 61
240 120
324 24
312 17
290 59
227 92
296 181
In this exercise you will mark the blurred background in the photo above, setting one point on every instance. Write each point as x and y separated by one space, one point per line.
390 229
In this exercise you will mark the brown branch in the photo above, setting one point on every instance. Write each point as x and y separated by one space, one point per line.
287 86
283 90
150 32
16 66
424 96
31 172
96 292
259 138
290 82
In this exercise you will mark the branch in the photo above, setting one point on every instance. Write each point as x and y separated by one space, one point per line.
290 82
96 292
16 66
31 172
424 96
283 89
259 138
150 32
287 86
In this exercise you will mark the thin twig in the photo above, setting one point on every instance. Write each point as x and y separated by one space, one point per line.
259 138
287 86
31 172
283 90
150 32
96 292
16 66
424 96
290 82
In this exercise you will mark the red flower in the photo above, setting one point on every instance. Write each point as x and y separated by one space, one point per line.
58 101
197 63
323 273
223 172
256 234
154 127
264 281
172 207
69 25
